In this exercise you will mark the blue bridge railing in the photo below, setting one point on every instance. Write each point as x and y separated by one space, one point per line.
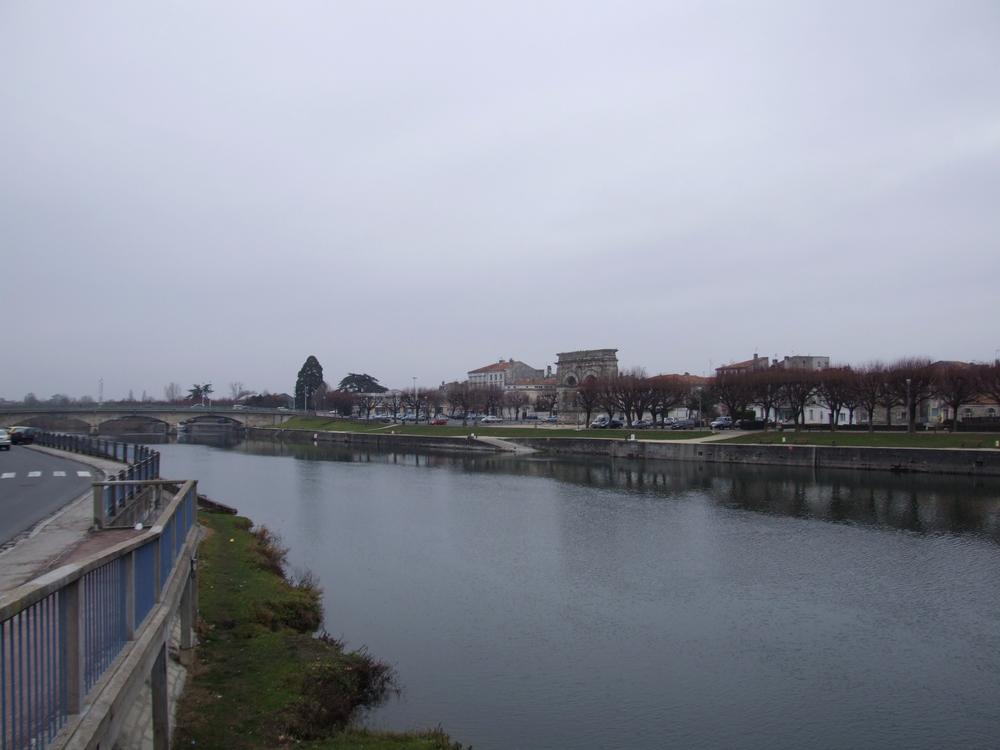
60 633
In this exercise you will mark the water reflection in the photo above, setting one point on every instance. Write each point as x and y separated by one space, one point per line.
910 502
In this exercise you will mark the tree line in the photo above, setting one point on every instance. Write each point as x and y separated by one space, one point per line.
908 383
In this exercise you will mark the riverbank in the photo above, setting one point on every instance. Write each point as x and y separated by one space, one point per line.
932 460
262 679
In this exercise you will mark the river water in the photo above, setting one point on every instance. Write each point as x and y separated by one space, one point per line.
538 603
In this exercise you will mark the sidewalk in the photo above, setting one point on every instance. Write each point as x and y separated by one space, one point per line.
53 541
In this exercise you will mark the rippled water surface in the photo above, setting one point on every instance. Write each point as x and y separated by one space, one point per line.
534 603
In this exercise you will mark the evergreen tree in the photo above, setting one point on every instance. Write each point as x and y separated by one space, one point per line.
308 382
363 383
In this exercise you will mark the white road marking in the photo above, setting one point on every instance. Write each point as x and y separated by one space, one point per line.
58 473
34 473
8 475
83 473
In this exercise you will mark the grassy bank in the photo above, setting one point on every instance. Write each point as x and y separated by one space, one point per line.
874 439
262 680
321 424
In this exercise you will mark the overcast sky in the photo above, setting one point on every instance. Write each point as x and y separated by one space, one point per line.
198 191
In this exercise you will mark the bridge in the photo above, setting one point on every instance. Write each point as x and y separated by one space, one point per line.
116 419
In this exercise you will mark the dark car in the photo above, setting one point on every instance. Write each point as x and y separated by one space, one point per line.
22 435
684 424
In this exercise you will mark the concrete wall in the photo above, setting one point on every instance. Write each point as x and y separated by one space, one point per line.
377 440
926 460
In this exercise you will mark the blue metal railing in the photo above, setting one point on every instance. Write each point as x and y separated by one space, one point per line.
74 628
32 695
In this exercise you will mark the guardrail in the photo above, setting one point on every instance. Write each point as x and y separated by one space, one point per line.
65 635
116 497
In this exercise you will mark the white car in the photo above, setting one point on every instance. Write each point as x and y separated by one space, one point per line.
4 440
490 419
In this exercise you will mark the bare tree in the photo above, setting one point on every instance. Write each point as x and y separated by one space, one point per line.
912 382
734 391
546 401
172 392
667 392
588 395
988 377
799 388
367 402
956 383
635 394
870 386
607 397
833 387
767 392
237 390
393 401
513 401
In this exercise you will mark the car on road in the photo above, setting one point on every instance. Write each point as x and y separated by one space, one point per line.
22 435
490 419
239 406
197 406
721 423
4 440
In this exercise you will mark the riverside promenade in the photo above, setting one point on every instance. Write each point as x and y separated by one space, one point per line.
51 547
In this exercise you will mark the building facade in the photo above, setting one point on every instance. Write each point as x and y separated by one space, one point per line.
503 373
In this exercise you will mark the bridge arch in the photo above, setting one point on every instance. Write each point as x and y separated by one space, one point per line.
133 424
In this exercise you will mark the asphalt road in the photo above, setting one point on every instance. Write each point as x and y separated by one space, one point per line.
34 485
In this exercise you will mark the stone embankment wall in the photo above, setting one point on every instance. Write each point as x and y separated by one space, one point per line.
983 462
376 440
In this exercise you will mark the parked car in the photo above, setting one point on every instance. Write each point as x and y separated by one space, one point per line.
721 423
531 416
490 419
22 435
642 424
439 421
4 440
600 423
667 423
552 419
684 424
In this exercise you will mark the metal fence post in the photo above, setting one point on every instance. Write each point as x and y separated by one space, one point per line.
130 595
71 617
99 506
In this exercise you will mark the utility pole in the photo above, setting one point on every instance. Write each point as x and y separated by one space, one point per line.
100 393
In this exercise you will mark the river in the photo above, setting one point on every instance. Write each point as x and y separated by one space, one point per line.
549 604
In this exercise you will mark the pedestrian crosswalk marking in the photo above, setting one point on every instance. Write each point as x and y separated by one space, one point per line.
36 474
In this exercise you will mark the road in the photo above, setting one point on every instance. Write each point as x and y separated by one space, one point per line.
34 485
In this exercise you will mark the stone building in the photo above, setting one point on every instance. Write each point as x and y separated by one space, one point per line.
503 373
572 368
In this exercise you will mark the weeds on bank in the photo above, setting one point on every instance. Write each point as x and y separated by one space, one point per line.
263 680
